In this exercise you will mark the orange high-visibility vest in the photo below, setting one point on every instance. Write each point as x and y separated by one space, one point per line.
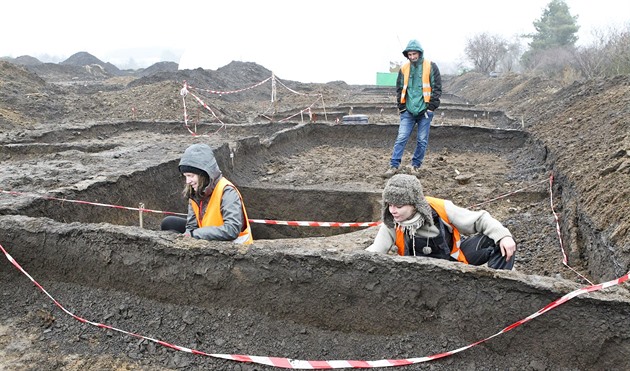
213 216
437 205
426 80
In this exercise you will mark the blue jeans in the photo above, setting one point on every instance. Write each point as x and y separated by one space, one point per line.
407 123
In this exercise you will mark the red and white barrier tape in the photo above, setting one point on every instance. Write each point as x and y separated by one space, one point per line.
260 221
327 364
506 195
307 109
277 222
295 92
328 224
314 224
14 193
550 181
231 91
207 107
555 216
187 89
184 92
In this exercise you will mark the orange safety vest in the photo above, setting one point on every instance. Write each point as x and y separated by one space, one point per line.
426 80
437 205
213 216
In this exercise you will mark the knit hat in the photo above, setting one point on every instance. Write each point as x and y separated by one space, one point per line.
191 169
403 189
413 45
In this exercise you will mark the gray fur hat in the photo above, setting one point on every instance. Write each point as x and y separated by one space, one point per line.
403 189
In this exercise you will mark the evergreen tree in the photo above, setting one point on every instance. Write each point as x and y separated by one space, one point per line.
556 28
554 40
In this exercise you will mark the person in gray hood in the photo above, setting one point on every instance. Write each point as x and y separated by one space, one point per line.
216 210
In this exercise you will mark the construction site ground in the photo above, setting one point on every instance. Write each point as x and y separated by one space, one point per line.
89 166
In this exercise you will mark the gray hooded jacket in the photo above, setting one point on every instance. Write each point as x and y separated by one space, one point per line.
201 157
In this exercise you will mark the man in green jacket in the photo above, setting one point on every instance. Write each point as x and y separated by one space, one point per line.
418 88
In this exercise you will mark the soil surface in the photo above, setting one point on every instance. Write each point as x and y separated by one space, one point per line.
520 147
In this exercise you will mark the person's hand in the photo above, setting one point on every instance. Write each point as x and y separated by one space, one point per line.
508 246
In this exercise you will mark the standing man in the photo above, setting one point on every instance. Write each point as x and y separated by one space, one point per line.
418 88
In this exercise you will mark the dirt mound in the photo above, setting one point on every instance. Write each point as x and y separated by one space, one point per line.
83 59
26 60
25 98
14 78
75 94
156 68
231 77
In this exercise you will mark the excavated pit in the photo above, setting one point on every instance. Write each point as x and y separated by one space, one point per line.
298 292
297 202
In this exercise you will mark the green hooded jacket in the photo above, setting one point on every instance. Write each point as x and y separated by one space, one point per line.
415 103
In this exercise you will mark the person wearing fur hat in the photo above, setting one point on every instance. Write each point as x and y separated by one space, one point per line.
215 207
418 92
415 225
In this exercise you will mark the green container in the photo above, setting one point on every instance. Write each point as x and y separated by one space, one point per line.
386 78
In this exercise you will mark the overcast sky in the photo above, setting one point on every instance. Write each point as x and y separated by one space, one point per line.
306 41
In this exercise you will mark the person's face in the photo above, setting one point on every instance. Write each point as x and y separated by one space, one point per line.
401 212
192 180
413 55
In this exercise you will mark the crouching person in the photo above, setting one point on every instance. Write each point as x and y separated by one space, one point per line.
215 207
416 225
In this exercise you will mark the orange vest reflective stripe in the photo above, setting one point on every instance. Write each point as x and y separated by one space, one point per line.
426 80
437 205
213 217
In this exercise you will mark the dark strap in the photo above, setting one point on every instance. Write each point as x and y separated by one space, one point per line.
440 245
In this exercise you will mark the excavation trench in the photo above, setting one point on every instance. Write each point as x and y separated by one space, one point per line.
328 296
161 184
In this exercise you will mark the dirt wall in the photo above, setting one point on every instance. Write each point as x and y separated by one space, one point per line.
353 296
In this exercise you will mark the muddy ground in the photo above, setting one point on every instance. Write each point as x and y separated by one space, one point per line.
503 144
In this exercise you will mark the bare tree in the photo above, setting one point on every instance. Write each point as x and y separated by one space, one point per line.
557 62
485 51
510 61
591 60
618 52
608 55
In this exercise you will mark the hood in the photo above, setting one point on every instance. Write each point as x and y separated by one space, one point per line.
200 156
413 45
